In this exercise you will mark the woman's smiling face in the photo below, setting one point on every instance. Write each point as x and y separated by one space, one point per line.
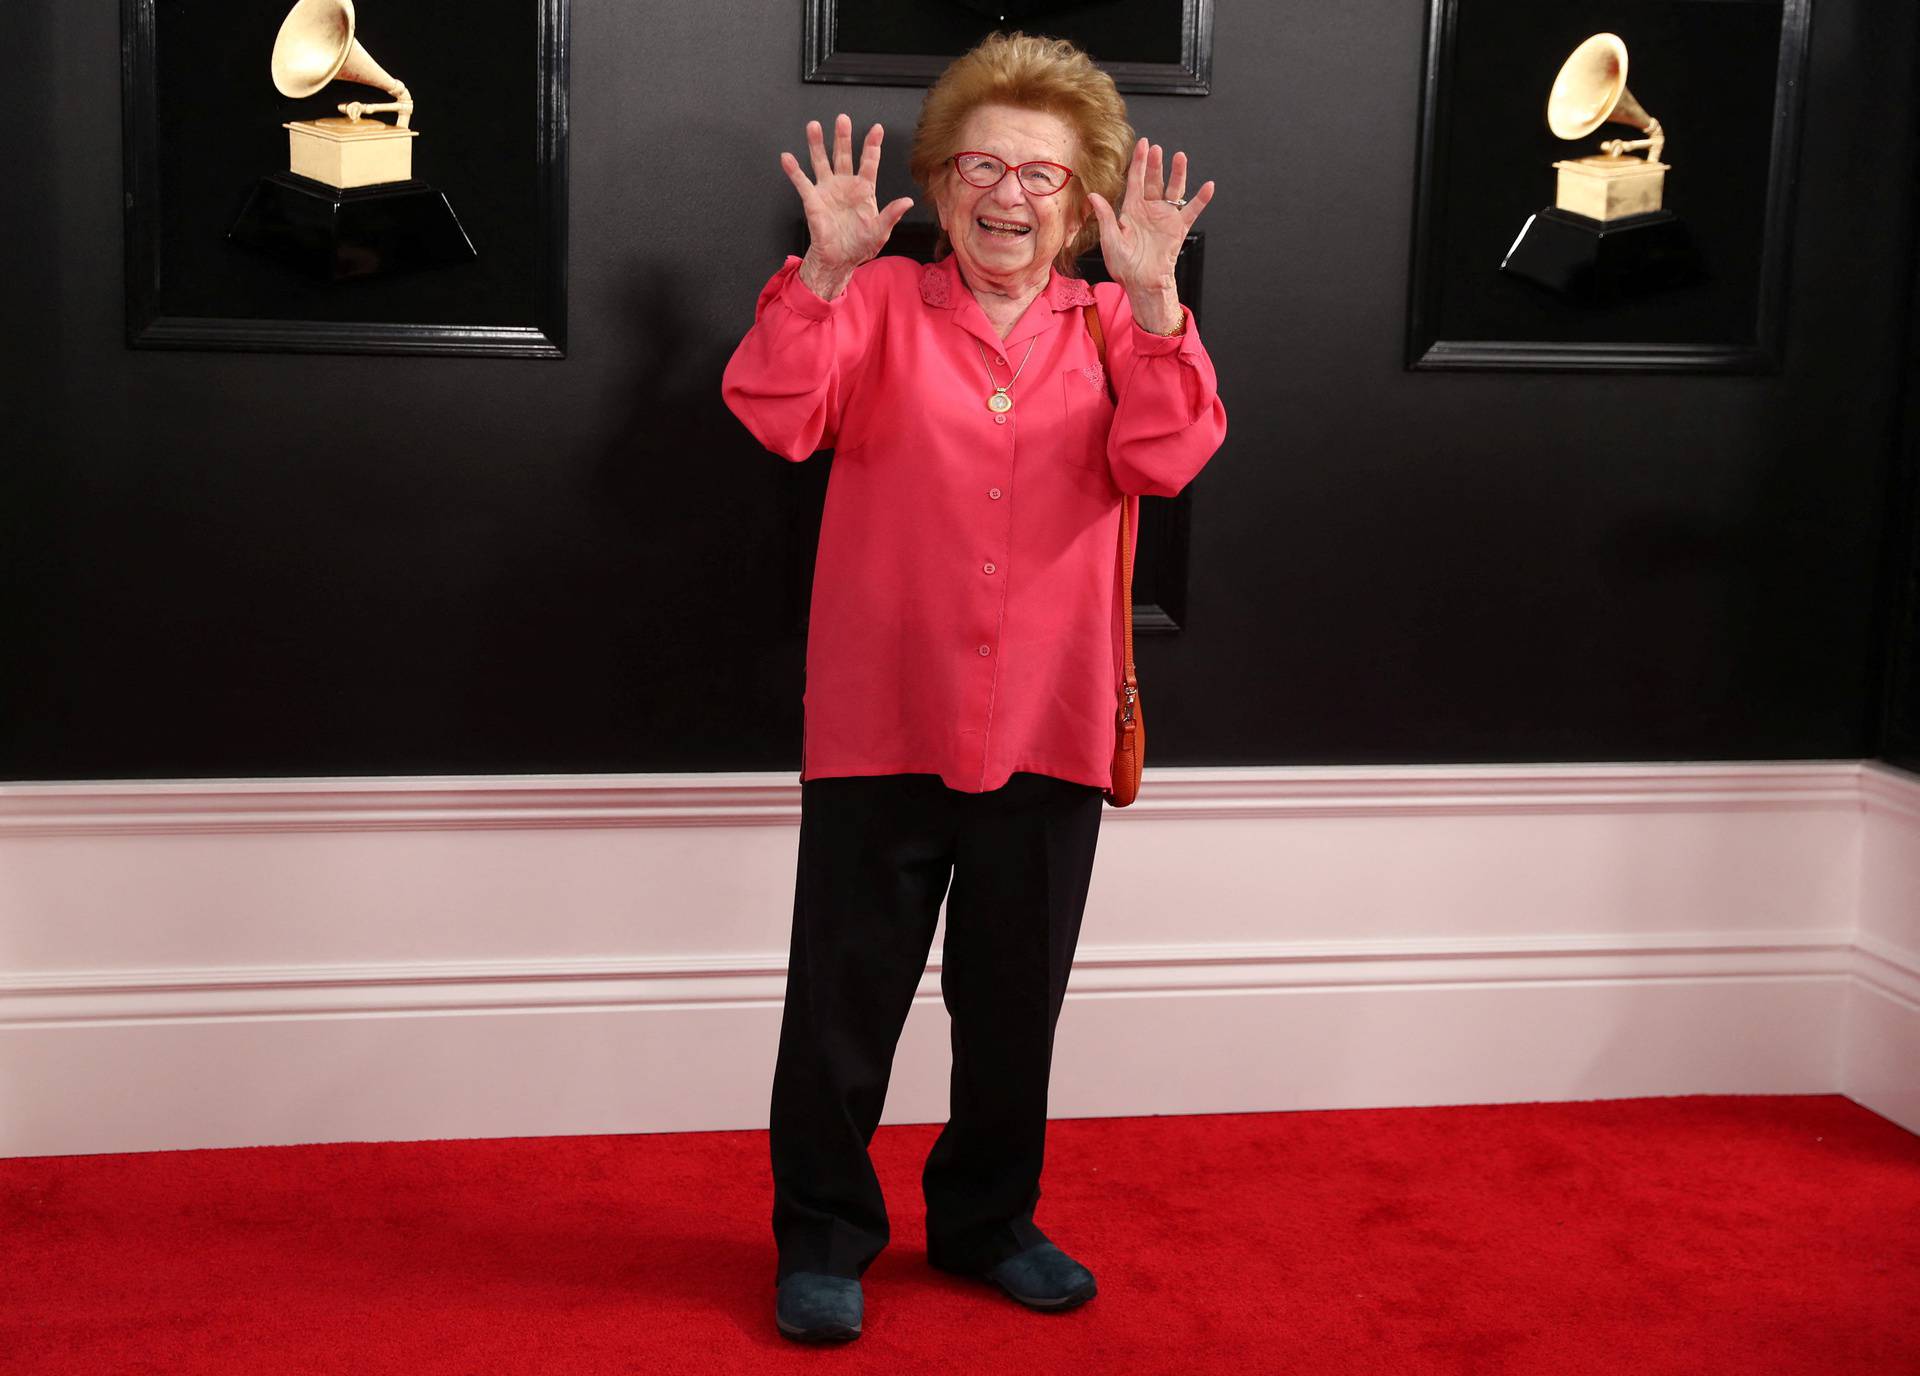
1004 235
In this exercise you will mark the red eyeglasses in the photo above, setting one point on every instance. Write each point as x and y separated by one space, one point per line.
1037 178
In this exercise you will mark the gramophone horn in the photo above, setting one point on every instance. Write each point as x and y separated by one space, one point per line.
316 45
1592 89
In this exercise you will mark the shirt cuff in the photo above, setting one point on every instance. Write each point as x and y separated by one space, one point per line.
1146 342
802 299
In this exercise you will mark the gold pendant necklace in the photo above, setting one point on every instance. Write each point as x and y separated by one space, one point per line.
999 402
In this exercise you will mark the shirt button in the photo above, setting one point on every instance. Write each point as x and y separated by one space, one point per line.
984 650
994 493
989 568
1001 361
999 420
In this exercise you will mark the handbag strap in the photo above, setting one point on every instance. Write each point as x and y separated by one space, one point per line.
1131 686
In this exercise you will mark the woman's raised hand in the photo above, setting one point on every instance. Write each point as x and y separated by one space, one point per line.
1142 242
844 220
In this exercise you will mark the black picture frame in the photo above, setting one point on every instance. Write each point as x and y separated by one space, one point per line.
1162 548
1465 314
1155 47
185 289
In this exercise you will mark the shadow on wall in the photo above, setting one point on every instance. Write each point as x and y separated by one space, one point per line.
711 536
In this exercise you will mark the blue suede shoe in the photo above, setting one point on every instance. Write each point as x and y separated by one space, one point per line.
1043 1277
816 1308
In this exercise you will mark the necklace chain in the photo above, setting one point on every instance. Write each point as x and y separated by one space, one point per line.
999 401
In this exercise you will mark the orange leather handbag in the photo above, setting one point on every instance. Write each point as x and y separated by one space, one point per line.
1130 731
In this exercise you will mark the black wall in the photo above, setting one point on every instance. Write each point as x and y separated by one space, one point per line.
1900 738
258 565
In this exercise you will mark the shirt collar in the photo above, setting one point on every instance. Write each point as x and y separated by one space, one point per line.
942 288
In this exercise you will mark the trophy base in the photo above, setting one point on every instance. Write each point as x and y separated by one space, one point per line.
1601 261
350 152
339 236
1609 188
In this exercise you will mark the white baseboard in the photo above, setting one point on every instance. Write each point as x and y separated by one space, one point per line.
224 963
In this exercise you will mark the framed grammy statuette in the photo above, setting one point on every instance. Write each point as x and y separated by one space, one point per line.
1606 184
346 176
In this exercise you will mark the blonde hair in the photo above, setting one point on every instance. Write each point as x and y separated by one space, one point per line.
1048 75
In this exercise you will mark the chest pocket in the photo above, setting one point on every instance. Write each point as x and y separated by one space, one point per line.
1089 416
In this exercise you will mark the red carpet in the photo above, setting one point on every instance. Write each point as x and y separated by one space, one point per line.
1759 1236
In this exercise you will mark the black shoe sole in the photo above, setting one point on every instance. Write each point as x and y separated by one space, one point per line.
838 1333
1071 1300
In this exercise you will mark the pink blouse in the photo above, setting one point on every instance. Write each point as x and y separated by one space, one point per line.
965 616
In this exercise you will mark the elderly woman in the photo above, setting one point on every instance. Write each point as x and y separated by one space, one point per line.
964 653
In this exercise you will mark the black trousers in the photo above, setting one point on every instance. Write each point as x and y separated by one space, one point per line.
876 856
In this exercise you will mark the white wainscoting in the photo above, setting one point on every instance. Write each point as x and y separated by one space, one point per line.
205 963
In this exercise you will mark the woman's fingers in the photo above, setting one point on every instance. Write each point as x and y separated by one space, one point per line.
817 150
1156 183
840 162
843 145
791 166
870 155
1137 173
1197 204
1177 179
1109 222
895 209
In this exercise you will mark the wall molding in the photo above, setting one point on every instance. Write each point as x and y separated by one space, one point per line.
82 998
478 802
1893 970
1890 790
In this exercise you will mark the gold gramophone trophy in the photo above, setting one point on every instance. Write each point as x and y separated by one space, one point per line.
1606 236
348 205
